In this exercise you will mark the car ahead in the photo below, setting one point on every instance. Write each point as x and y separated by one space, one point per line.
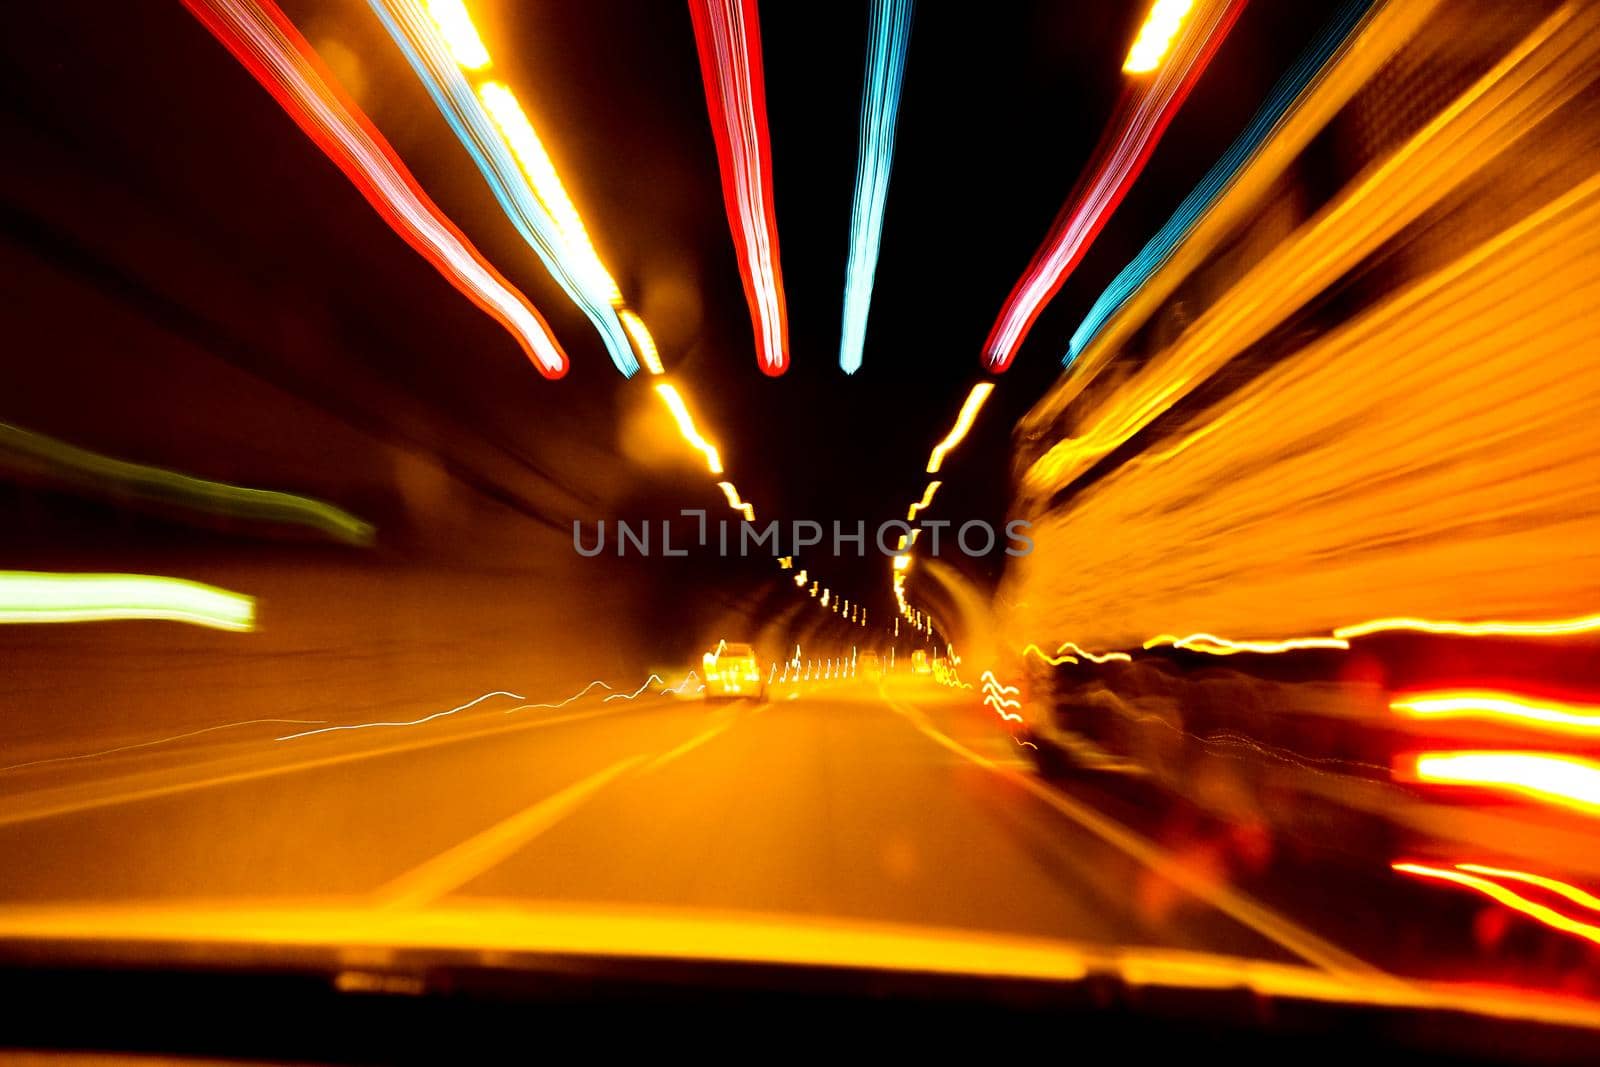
919 663
734 670
869 666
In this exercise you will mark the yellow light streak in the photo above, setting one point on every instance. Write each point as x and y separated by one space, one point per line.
1556 628
518 131
735 503
1560 888
1054 661
927 499
969 412
1107 657
680 413
1552 715
456 27
644 345
1155 37
47 597
1515 901
1213 645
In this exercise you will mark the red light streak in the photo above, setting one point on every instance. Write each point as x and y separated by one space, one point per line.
266 43
728 36
1148 106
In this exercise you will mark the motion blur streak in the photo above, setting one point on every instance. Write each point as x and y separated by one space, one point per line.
888 36
492 127
1222 646
1516 901
1578 896
541 171
103 474
735 503
1155 36
1415 446
1567 781
680 413
462 36
727 34
261 37
1177 229
38 596
1545 71
1141 118
1500 707
406 722
969 412
642 341
1558 628
927 499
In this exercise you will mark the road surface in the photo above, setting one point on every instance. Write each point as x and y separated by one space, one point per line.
899 803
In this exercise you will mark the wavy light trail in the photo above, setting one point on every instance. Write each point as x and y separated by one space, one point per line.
924 503
728 36
497 134
735 503
1106 657
635 694
1509 708
686 427
561 703
406 722
1054 661
49 597
263 40
963 424
1142 117
1155 254
888 37
1213 645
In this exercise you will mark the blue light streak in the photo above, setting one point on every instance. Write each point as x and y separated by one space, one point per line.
1154 255
461 108
888 35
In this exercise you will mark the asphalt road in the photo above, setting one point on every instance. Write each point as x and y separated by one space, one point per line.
846 800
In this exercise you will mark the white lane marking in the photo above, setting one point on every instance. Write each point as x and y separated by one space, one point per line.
457 866
1230 902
